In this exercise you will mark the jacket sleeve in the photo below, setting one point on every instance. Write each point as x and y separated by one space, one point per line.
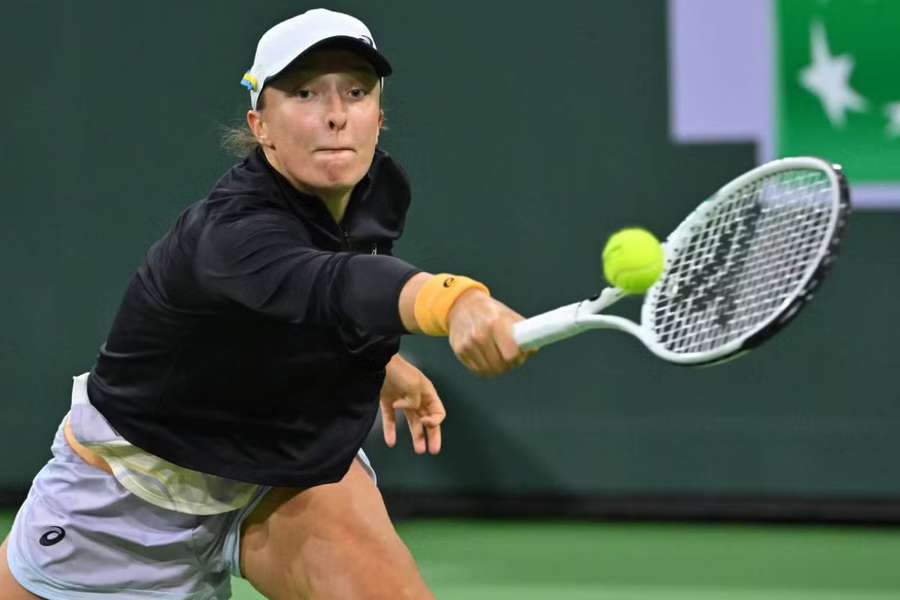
270 267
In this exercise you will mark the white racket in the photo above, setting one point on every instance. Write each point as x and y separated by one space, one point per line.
737 269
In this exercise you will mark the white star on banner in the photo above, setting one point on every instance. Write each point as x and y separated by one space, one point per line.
828 78
892 111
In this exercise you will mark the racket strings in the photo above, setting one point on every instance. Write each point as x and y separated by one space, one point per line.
738 264
749 293
721 333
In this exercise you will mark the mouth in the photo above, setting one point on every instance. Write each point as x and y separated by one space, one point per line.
334 150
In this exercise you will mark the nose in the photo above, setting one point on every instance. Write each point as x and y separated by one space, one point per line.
336 112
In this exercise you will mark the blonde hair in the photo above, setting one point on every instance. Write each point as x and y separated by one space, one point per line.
238 140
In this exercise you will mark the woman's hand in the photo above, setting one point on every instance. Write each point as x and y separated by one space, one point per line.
481 335
480 328
406 388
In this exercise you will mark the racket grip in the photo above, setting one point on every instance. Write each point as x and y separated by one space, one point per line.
546 328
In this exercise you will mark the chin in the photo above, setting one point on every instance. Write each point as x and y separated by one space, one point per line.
337 181
341 175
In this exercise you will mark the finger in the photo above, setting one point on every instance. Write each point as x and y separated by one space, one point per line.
417 430
467 363
474 360
495 361
524 357
405 403
433 433
409 406
389 425
516 316
435 415
433 407
490 360
432 421
506 343
462 355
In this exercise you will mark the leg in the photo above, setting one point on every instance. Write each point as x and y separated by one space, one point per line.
9 587
332 541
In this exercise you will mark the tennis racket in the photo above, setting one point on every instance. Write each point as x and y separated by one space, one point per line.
737 269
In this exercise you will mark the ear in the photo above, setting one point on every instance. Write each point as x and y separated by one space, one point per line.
259 128
380 126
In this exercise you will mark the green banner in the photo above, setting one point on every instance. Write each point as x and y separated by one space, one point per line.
838 93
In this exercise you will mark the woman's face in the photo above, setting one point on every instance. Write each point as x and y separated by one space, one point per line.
320 122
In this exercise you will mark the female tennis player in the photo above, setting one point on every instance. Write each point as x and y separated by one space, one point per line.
219 431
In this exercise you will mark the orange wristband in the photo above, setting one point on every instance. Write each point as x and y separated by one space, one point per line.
436 298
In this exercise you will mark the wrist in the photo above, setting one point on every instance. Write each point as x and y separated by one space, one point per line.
466 299
396 362
439 296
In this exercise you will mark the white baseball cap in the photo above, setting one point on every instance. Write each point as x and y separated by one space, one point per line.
317 28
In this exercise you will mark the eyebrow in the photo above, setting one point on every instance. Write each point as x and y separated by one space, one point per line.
364 69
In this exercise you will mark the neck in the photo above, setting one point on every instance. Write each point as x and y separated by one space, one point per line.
335 201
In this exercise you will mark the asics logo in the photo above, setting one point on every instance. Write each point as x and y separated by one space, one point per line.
54 535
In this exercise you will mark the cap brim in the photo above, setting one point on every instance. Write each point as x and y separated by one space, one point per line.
343 42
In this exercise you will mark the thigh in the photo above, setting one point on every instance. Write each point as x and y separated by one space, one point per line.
330 541
9 587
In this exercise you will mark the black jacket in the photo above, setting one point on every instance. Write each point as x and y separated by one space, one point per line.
251 343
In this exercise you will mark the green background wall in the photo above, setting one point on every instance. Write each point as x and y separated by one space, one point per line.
531 131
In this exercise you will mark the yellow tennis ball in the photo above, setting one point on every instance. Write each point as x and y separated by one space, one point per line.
633 260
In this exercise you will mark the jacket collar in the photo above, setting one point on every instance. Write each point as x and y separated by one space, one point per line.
377 207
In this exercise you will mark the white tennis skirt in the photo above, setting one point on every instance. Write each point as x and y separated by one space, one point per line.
80 535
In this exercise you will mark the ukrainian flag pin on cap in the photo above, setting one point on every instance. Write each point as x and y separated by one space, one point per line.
250 82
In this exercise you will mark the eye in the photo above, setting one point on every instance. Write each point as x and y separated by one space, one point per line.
303 94
358 93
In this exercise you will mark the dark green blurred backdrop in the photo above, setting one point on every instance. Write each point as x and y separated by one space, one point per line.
531 130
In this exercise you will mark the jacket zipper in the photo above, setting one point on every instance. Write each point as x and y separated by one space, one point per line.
348 247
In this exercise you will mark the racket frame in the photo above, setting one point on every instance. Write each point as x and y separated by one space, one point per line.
570 320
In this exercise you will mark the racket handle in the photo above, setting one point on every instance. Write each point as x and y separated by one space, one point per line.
546 328
563 322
